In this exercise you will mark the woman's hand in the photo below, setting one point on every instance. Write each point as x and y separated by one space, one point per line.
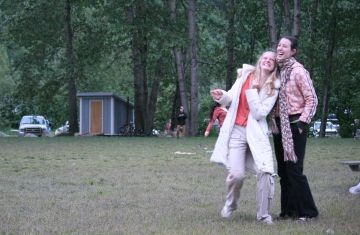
255 85
216 94
206 134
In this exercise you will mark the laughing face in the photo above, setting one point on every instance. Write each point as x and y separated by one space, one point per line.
283 50
267 61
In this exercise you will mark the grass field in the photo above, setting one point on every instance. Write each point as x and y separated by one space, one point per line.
117 185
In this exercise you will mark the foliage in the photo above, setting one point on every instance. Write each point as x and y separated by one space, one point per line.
32 50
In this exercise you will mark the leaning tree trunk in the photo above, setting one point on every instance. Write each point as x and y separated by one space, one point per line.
194 87
230 44
70 70
271 23
328 68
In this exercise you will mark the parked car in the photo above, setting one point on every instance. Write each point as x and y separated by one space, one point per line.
34 125
330 130
333 119
63 130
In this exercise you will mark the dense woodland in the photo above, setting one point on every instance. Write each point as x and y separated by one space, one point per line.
163 53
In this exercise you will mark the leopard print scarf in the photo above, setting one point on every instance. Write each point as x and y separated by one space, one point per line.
287 140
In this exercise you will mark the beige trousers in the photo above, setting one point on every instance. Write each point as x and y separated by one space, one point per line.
180 131
238 148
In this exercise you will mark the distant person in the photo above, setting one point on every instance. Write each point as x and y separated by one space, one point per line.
218 112
295 108
181 120
168 128
243 143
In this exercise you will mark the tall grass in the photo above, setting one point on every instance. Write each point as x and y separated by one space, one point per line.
117 185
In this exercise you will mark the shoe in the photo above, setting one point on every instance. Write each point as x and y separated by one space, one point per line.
267 220
226 212
305 219
355 190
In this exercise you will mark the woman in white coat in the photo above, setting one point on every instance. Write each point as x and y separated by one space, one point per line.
243 143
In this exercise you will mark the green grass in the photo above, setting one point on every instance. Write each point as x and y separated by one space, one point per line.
116 185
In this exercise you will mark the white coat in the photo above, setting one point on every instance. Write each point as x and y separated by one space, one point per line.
257 134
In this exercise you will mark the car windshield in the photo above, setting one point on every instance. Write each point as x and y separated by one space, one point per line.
329 125
32 120
334 121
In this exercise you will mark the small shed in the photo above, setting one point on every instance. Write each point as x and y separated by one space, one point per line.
103 113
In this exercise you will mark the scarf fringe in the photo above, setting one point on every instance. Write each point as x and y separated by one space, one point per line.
273 127
290 157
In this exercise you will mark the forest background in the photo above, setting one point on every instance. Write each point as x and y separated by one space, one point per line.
162 54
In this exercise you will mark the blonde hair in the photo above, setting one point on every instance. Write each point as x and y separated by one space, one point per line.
270 81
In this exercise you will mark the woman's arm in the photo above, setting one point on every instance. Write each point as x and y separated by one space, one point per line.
259 109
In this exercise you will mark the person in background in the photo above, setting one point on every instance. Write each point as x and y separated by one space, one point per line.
295 108
181 120
218 112
243 143
168 128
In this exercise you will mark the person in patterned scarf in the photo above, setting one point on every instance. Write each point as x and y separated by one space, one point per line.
294 110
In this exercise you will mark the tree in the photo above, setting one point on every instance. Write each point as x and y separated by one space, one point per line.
271 23
179 57
230 44
70 69
194 86
297 19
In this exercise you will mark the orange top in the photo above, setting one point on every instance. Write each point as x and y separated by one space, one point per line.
243 108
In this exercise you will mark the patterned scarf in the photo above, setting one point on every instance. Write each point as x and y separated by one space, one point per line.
287 140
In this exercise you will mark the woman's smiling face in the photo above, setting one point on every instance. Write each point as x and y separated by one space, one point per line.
283 50
267 62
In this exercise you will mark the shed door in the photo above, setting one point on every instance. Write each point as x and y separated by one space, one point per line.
96 117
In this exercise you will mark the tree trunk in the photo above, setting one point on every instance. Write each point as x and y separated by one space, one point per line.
153 96
70 70
194 86
328 68
181 78
297 19
287 17
139 57
312 35
271 22
180 67
230 44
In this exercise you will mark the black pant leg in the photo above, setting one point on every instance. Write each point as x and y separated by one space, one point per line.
282 172
300 195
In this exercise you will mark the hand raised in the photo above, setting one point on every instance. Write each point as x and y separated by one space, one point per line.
216 94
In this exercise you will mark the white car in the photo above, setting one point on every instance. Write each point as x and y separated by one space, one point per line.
330 130
63 130
34 125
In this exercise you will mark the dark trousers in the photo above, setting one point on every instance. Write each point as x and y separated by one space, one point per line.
296 197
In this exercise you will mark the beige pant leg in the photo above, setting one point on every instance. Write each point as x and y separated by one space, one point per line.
264 195
237 155
180 131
